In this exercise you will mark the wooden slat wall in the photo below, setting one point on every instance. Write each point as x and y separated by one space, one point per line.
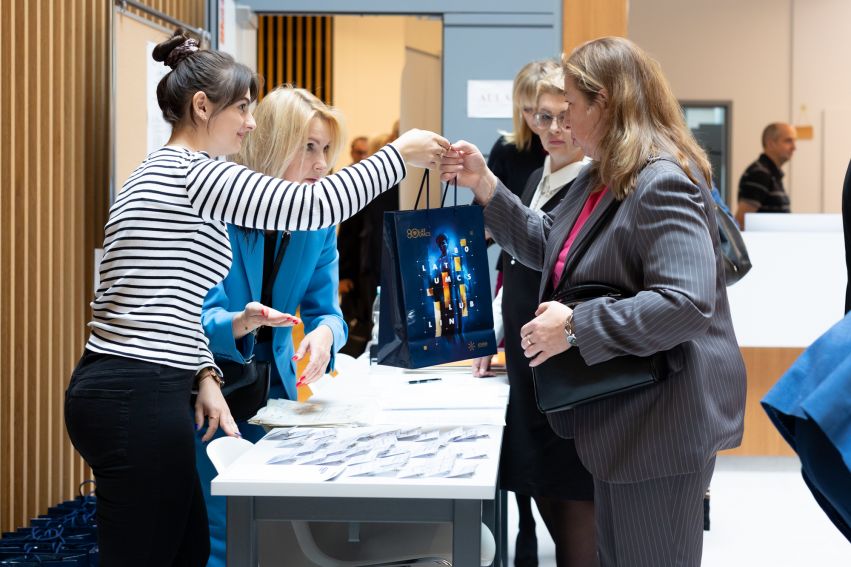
296 50
54 152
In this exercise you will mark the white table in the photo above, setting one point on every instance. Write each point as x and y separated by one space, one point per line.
258 491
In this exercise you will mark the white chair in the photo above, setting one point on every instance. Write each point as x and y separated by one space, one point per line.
379 545
225 450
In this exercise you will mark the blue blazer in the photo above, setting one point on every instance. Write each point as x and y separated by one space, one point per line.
308 277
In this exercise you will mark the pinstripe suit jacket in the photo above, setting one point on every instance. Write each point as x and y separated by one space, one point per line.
661 247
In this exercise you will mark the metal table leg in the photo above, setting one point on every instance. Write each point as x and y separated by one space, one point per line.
467 533
241 532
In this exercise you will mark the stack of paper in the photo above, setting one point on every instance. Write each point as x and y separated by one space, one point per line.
405 452
287 413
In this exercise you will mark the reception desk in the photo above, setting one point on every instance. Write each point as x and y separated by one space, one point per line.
794 293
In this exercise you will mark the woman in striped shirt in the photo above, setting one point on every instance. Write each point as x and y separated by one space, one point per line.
165 246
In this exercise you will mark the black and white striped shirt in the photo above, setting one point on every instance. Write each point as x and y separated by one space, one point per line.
166 245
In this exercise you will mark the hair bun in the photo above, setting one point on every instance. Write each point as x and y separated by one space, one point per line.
175 49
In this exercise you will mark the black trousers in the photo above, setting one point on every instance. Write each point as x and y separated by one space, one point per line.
131 422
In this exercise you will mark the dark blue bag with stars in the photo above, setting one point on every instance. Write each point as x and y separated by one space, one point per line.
435 304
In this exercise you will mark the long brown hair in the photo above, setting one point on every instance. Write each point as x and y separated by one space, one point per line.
643 117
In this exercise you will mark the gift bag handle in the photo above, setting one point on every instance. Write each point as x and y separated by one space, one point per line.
446 190
423 182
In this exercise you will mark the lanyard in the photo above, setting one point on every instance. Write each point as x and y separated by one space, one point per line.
269 279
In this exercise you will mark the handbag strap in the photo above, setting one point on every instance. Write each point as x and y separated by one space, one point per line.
585 243
269 282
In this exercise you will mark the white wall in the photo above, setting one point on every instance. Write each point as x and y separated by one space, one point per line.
369 54
769 57
369 58
821 39
424 34
246 36
723 50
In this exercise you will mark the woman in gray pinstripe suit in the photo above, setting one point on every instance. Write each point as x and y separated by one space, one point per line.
652 451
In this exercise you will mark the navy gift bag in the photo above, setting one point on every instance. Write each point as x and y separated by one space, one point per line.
435 286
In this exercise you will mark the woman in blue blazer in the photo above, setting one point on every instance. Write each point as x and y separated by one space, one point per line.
297 138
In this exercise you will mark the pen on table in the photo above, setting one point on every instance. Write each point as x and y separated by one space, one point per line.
422 381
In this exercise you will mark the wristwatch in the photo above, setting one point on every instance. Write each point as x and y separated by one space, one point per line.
568 330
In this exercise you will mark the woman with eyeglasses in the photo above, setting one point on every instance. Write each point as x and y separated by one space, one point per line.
536 462
641 215
518 153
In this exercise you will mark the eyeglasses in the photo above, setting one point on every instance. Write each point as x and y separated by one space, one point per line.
544 120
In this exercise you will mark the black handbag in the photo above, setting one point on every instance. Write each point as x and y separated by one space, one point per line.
246 387
565 381
737 263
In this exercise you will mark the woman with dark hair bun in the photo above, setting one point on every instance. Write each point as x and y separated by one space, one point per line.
165 246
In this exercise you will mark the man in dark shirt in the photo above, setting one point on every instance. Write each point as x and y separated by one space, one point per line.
761 186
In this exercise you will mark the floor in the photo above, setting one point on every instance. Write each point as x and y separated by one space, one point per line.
761 514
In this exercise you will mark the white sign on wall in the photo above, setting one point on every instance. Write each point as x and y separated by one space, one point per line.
489 99
228 41
159 130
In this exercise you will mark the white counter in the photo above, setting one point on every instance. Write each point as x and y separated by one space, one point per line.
796 288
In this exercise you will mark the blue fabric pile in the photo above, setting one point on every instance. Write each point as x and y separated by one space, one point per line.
64 537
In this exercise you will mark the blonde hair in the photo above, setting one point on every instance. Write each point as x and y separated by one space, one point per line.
283 122
551 83
526 89
644 118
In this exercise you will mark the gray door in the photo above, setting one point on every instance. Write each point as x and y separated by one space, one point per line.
482 40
